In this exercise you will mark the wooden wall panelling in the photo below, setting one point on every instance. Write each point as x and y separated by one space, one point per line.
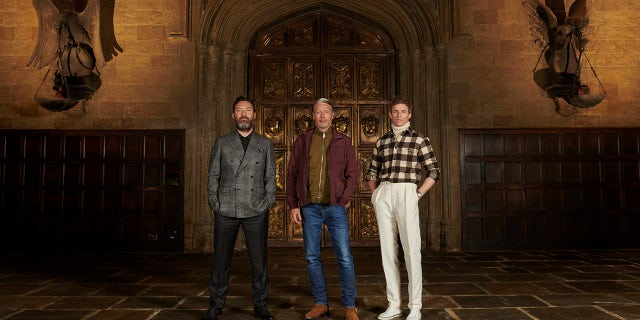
557 188
78 189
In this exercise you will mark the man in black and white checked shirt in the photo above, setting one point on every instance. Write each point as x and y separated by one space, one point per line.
395 180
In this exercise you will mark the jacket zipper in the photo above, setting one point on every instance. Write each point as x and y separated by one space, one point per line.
321 166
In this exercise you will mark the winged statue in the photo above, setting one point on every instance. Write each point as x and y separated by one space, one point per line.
76 43
93 27
560 36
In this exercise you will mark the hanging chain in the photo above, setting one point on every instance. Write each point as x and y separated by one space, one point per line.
35 95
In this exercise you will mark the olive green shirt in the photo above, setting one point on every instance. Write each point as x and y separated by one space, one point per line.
319 188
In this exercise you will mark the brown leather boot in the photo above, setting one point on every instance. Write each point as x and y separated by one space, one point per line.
318 311
351 314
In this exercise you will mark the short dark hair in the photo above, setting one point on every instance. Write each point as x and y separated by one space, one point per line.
243 98
400 100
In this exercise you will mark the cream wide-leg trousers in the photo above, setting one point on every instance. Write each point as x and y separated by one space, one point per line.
396 206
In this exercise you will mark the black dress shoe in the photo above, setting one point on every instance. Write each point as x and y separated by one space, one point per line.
212 314
263 312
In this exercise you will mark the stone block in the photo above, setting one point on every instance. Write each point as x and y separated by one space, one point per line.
114 123
151 32
7 33
485 17
587 121
503 121
5 123
458 90
5 93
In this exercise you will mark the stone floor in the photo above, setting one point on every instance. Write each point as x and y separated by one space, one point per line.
554 285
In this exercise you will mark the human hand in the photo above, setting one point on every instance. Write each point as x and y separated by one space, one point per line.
295 215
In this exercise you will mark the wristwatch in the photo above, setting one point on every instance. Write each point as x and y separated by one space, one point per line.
420 194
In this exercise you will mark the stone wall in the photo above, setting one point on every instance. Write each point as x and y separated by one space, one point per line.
492 58
149 85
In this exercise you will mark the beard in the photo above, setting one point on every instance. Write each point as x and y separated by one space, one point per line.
246 125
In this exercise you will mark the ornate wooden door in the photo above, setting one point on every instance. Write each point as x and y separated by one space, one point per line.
322 55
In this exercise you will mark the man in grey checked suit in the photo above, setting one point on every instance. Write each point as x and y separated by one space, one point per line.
242 186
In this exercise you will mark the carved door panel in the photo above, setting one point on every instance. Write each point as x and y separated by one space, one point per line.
322 55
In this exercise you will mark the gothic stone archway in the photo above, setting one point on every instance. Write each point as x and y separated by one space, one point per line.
227 28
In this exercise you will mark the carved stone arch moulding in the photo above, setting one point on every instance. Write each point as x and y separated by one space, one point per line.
295 82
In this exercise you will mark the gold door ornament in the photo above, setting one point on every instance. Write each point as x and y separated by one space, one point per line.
274 125
342 120
371 121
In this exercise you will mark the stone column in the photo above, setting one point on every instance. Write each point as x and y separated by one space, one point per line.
445 153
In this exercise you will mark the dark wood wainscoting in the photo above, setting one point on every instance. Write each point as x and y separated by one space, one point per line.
110 190
550 189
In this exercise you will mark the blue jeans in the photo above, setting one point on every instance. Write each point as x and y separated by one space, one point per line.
335 217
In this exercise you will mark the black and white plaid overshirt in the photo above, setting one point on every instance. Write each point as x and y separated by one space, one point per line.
402 160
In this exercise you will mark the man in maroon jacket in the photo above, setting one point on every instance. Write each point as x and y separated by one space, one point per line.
322 175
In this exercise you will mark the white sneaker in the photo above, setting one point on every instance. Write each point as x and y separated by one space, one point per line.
415 314
390 314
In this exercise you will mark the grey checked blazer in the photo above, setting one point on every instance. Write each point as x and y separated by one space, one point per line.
242 184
